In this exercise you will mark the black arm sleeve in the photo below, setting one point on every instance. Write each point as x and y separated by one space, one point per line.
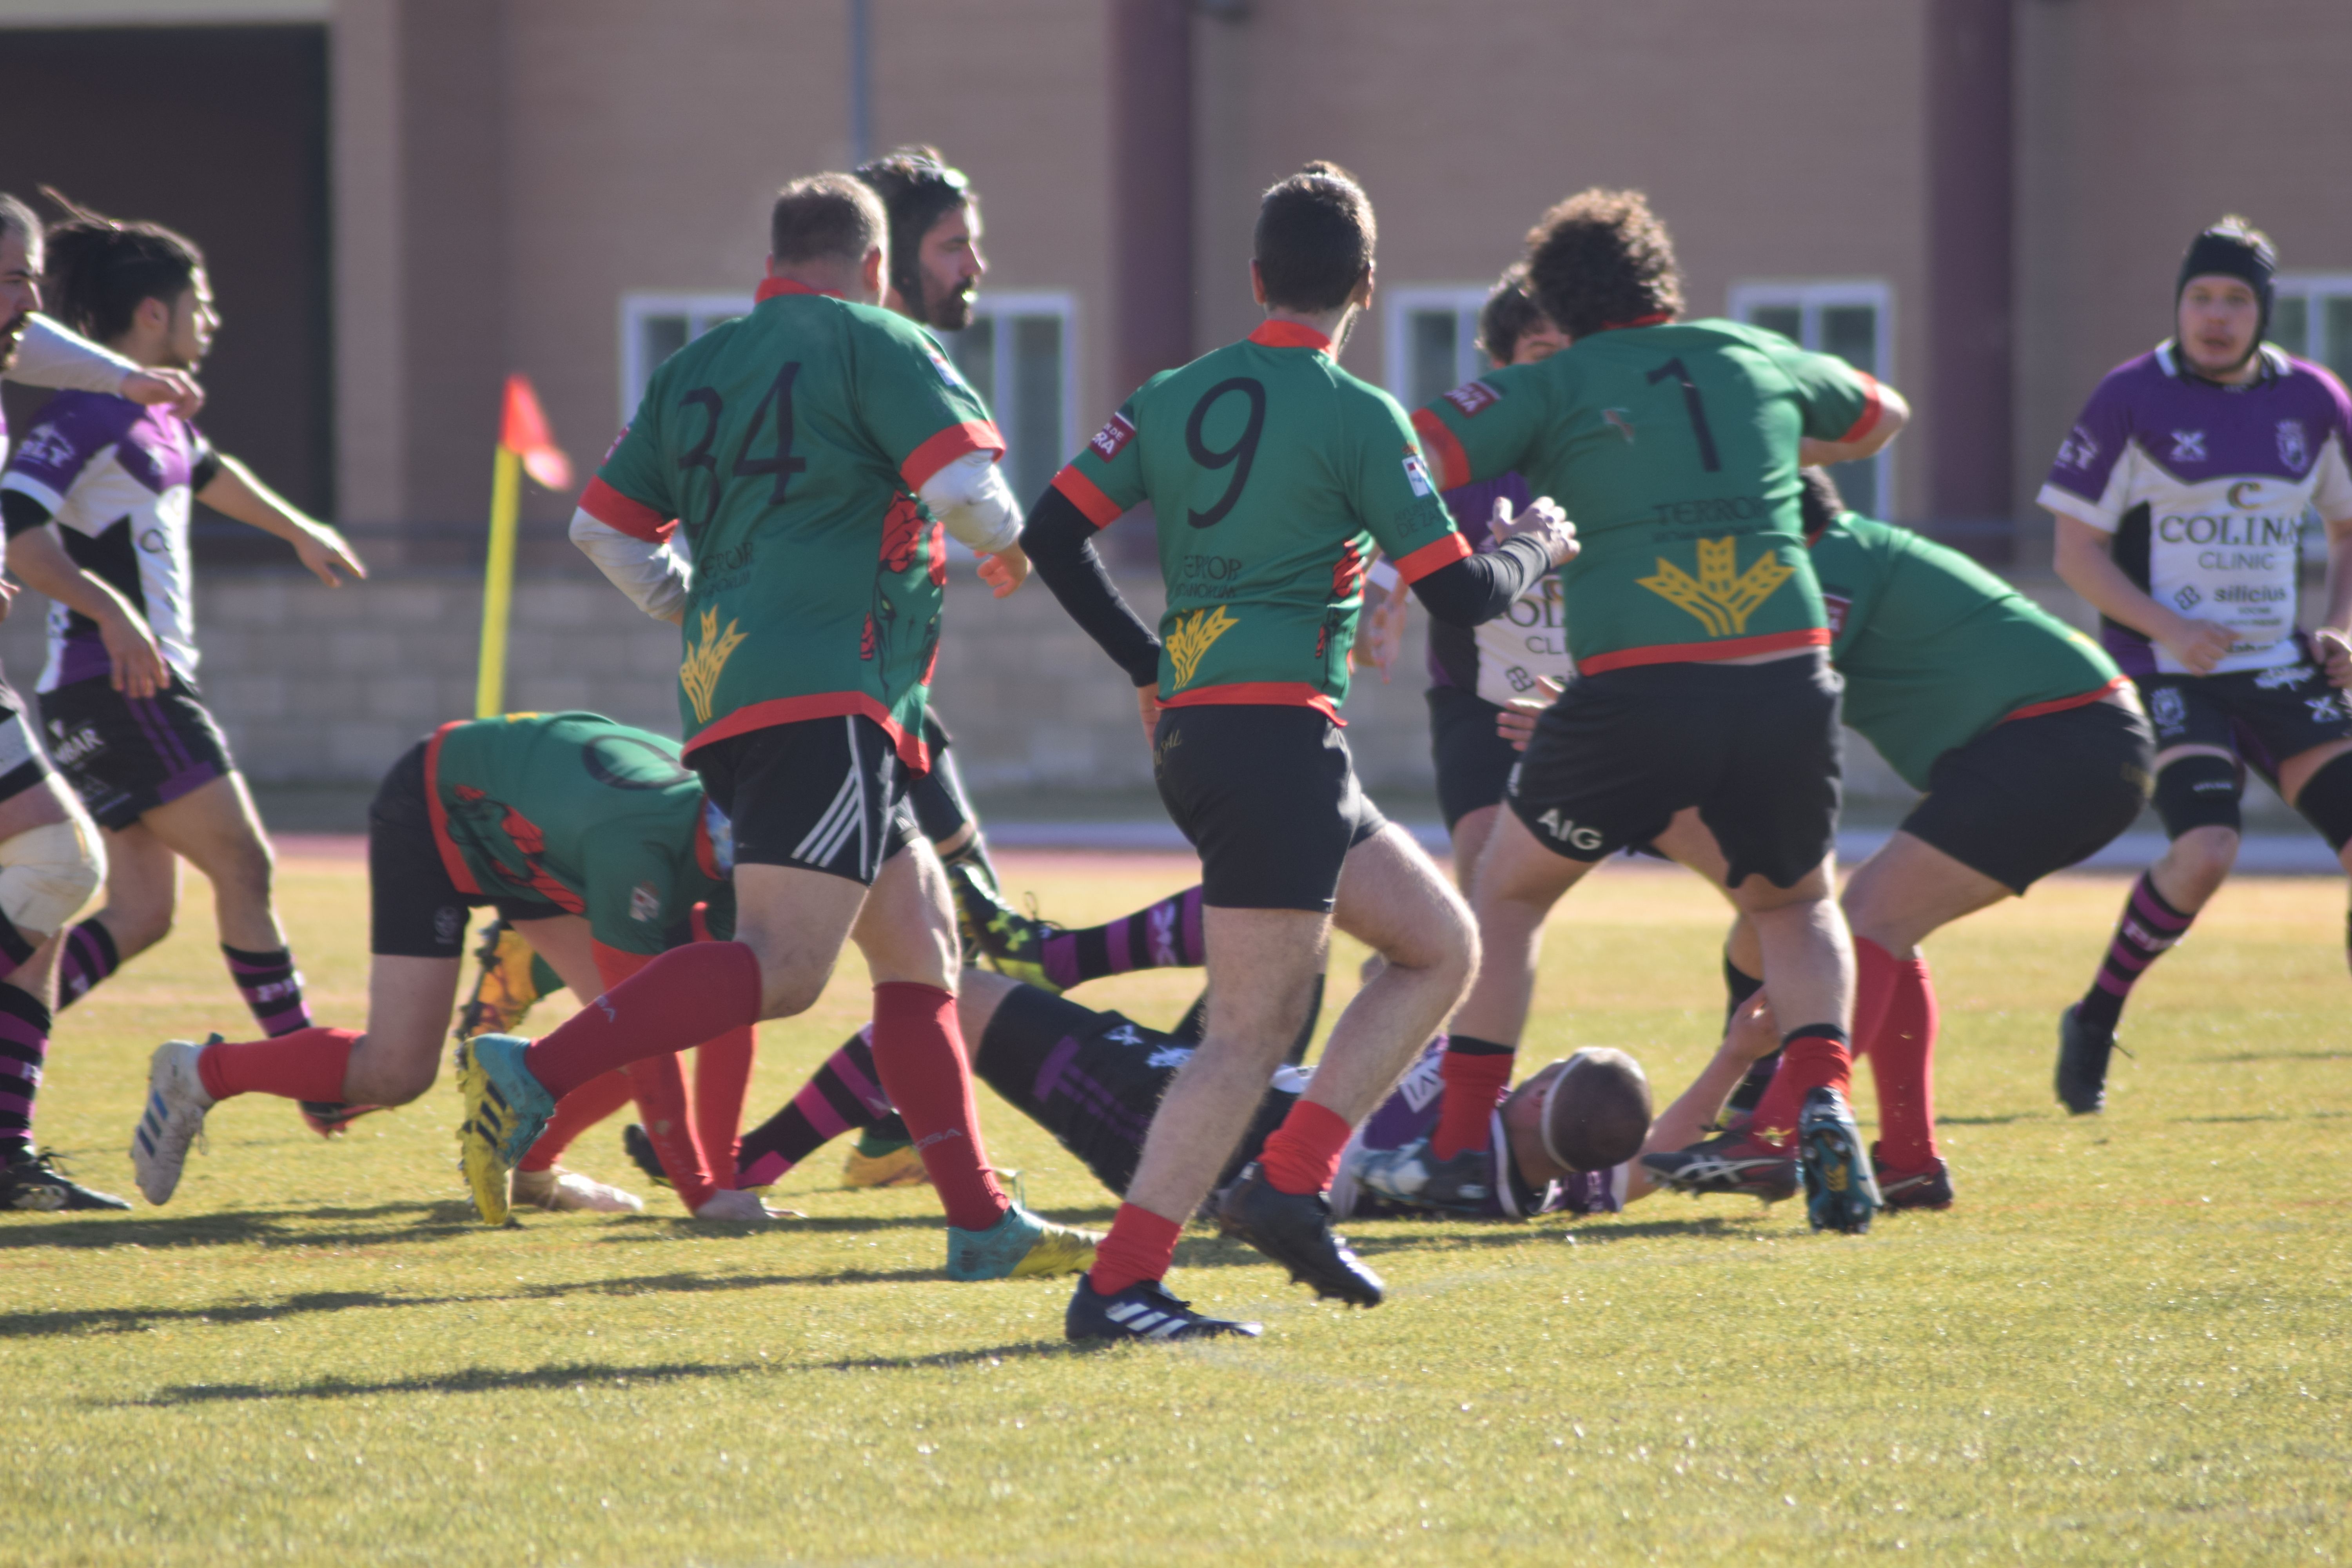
20 513
1480 587
1060 543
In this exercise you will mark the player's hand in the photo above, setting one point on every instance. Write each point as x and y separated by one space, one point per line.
2200 644
1147 702
176 387
1005 569
1755 1034
138 660
324 552
1543 521
1382 636
1517 722
2335 650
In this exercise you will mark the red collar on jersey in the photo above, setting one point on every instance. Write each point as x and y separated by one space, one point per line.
771 285
1289 335
1658 318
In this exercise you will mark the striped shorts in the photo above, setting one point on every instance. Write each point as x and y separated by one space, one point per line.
822 795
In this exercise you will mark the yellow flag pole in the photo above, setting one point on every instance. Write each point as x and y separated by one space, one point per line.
498 584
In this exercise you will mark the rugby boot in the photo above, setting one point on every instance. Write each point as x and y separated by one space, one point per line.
2083 1051
1021 1245
638 1146
1841 1192
506 1110
1013 944
569 1191
1730 1162
30 1180
1143 1312
898 1167
1414 1175
740 1206
1928 1187
1295 1230
506 987
176 1103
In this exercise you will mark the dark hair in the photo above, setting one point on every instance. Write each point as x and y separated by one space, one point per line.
1508 315
1600 1114
918 189
16 218
1314 239
825 217
99 268
1600 259
1818 499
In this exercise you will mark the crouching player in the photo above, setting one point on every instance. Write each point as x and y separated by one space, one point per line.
588 835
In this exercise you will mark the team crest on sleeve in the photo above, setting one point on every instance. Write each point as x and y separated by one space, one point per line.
644 903
1473 398
945 367
615 445
2079 450
2292 448
1112 438
1416 474
46 444
1835 605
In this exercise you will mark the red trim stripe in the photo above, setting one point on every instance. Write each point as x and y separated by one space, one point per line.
771 285
451 862
1289 335
819 705
1257 693
1444 450
1868 419
1087 497
972 436
633 517
1434 556
1704 652
2080 700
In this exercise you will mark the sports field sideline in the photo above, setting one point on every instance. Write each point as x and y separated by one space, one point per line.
2126 1342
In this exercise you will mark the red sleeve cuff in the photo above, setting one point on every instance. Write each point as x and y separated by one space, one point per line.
614 509
1444 451
1433 556
972 436
1868 419
1087 497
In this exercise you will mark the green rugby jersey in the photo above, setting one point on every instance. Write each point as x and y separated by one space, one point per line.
1672 447
1272 475
790 446
1936 650
578 811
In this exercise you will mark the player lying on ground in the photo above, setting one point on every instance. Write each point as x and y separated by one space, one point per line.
806 663
96 506
1272 474
2179 497
1698 633
592 839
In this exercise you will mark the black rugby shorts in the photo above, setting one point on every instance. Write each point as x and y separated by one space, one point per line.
822 795
1268 794
2033 796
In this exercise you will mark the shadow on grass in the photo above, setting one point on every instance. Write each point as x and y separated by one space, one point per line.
2236 1056
2266 1116
254 1228
474 1382
1028 1351
2004 1120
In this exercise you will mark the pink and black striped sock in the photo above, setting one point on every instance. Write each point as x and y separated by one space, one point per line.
1165 936
2148 929
845 1093
87 956
272 988
24 1047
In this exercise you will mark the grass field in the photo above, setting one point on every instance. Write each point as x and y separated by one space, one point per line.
2128 1342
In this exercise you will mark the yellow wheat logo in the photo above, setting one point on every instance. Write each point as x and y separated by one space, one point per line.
1721 601
1191 637
699 673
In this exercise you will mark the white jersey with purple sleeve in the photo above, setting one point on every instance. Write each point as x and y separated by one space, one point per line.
119 480
1410 1113
2205 488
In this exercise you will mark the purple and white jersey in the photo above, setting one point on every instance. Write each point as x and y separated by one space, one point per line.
2204 487
1410 1113
119 480
1500 659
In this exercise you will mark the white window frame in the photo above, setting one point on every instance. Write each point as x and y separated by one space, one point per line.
1465 300
1058 302
702 313
2311 288
1811 297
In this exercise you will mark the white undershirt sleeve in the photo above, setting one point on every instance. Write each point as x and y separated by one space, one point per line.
654 576
49 355
970 497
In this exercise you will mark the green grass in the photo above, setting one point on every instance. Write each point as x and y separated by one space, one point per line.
2126 1343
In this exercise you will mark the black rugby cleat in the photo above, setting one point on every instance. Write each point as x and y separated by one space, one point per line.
1295 1230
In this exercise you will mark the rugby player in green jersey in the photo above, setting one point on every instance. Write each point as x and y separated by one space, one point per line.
1272 475
585 833
810 452
1697 627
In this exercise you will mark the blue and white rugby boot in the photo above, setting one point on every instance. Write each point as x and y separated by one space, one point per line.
1841 1190
174 1118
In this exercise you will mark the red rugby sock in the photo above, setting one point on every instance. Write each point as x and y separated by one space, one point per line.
1903 1065
919 1051
1303 1154
574 1115
659 1084
1142 1246
678 1001
1810 1057
1475 1072
722 1077
307 1064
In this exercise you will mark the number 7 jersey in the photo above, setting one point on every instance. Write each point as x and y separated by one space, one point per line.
1272 474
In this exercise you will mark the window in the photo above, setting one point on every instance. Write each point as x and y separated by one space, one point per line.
1854 321
1431 341
1019 353
2311 317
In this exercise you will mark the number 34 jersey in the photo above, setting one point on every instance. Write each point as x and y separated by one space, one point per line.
1672 449
1272 474
791 445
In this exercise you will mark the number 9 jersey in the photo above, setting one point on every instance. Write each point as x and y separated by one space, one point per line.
1272 474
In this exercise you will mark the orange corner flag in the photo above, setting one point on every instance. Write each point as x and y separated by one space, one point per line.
523 430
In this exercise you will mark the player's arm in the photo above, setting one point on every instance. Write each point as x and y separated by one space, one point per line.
1397 499
38 555
1752 1036
1060 542
1893 414
1848 414
649 571
2332 637
976 507
50 355
2085 558
232 489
